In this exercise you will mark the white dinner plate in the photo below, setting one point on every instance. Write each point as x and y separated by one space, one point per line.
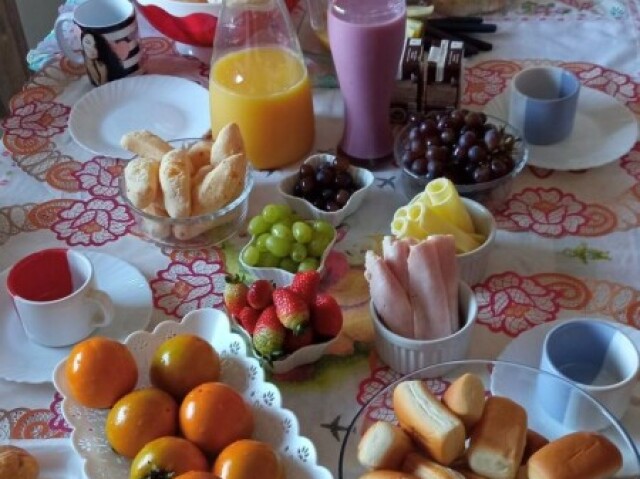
604 130
24 361
170 107
56 457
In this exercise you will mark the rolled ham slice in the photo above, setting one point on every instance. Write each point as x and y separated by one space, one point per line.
430 291
446 246
396 254
389 297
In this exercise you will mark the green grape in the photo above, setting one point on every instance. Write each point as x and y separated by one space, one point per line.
267 260
308 264
302 232
261 242
323 228
282 230
251 255
298 252
257 226
317 246
289 265
278 246
272 213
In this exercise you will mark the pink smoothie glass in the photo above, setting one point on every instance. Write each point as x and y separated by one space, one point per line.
367 38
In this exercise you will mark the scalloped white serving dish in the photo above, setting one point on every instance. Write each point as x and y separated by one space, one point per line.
273 424
361 176
279 276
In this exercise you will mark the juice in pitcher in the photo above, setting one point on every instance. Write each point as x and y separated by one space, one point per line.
267 92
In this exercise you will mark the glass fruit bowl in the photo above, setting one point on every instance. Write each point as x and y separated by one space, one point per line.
522 384
493 190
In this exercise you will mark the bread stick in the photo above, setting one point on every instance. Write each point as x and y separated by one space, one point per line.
383 446
465 398
222 185
142 181
175 181
228 142
200 155
144 143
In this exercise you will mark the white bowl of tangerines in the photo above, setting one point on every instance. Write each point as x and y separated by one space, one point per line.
286 326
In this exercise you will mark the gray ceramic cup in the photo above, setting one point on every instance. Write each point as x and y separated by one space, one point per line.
543 104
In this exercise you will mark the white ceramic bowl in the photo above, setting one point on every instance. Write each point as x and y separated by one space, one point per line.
473 265
406 355
279 276
362 177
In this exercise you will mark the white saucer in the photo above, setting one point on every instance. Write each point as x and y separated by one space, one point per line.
604 130
24 361
170 107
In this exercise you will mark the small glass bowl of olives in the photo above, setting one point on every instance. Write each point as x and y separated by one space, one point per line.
480 154
326 187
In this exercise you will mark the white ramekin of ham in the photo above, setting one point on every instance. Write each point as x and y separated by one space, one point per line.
473 265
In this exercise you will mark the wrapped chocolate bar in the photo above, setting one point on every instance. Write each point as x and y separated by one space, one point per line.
442 76
407 93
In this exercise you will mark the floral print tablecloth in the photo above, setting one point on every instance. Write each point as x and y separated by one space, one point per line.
567 243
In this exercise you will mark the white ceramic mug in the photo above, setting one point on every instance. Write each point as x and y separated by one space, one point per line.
543 104
598 358
108 36
53 295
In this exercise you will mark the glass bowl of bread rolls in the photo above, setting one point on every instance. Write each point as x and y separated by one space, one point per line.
187 193
483 419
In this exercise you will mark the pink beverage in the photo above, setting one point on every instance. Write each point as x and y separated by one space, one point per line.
367 37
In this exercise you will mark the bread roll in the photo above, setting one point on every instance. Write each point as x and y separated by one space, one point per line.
428 421
534 442
175 181
423 468
387 474
383 446
497 441
17 463
465 398
200 155
583 455
221 186
144 143
142 181
228 143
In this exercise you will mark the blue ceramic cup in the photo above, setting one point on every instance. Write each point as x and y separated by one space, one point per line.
598 358
543 104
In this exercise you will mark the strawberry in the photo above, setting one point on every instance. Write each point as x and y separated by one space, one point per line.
269 333
326 315
259 294
291 309
305 284
235 294
248 317
293 343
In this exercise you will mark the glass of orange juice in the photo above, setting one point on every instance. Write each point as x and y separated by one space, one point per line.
259 80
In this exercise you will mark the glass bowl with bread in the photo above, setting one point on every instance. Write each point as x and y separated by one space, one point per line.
187 193
482 418
480 154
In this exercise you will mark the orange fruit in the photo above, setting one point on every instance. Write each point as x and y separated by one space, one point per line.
183 362
140 417
248 459
197 475
99 371
167 456
213 415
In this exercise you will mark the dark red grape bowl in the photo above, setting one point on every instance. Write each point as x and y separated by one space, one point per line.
480 154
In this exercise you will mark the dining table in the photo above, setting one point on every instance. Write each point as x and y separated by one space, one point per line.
567 243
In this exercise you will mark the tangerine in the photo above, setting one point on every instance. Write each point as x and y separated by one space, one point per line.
213 415
248 459
99 371
167 456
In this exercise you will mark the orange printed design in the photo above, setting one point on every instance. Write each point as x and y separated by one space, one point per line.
39 163
28 128
57 75
70 68
189 256
30 95
487 80
157 46
631 162
552 213
24 423
44 215
61 176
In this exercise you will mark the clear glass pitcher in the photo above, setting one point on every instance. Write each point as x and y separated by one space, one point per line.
317 10
259 80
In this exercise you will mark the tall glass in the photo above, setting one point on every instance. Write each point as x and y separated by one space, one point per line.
367 38
259 80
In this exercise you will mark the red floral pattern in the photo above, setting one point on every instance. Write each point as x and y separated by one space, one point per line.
95 222
631 162
183 287
547 212
512 304
100 176
37 119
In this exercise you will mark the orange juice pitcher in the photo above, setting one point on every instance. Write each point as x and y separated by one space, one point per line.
259 80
